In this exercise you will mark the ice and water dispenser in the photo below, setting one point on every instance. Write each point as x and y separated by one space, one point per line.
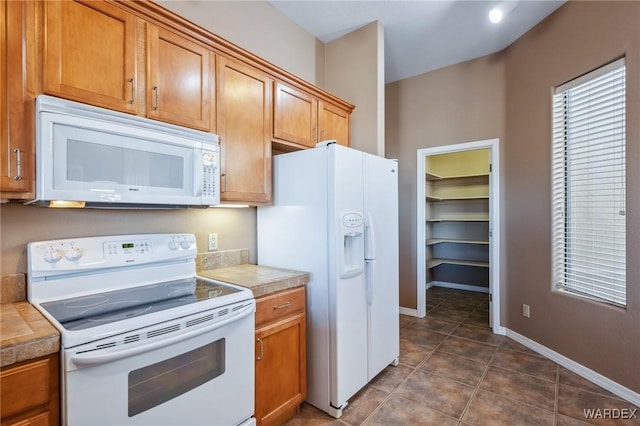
352 247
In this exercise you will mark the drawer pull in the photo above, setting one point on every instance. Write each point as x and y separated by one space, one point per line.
261 349
155 91
286 305
18 154
133 90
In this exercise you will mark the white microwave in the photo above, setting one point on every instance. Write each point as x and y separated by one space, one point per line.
93 157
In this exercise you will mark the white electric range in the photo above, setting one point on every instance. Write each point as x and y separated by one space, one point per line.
145 341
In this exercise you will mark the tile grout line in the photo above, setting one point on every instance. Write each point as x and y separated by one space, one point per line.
414 369
388 397
477 387
450 334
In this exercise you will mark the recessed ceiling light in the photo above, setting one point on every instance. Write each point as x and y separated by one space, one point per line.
495 15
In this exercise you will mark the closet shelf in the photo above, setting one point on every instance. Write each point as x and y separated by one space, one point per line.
473 197
455 241
458 219
433 176
432 263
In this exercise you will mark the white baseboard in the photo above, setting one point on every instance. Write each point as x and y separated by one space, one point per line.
408 311
457 286
579 369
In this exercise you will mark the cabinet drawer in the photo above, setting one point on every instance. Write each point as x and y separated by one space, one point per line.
25 387
41 419
279 305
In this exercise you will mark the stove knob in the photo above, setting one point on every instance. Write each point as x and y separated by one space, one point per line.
173 244
74 253
185 244
52 255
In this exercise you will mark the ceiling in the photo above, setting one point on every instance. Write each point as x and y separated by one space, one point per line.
421 35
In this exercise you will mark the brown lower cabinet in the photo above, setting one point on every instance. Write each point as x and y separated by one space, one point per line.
281 370
29 392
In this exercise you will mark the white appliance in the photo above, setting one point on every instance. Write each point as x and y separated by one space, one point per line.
335 215
145 341
100 158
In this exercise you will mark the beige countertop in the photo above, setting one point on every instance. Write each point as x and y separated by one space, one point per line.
262 280
25 334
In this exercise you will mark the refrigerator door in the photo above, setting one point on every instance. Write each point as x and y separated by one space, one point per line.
347 293
381 237
293 233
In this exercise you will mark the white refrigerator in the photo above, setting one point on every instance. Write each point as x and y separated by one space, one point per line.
335 215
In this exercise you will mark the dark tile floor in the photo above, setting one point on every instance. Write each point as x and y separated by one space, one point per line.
454 371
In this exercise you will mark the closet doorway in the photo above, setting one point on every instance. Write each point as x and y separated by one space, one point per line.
458 222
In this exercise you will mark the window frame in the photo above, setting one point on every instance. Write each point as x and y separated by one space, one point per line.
561 191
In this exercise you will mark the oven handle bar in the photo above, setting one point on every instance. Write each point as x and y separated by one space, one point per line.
86 359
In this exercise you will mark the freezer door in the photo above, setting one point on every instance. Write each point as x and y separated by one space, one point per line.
348 305
381 239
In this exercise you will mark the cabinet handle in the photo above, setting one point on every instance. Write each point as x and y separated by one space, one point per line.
18 153
224 182
261 353
286 305
322 134
133 90
155 90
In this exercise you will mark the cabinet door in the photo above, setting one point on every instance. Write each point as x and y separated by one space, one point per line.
280 369
179 89
16 131
294 116
29 392
333 123
90 54
244 127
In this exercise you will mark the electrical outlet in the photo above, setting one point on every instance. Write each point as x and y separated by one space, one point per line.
526 312
213 242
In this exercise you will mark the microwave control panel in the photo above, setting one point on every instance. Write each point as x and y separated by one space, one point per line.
210 173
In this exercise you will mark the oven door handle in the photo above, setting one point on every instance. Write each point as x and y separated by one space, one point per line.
87 358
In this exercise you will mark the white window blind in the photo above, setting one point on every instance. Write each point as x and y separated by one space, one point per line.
588 181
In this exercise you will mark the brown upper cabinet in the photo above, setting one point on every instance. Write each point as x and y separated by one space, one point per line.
244 127
334 123
295 116
301 120
16 135
179 80
140 58
91 55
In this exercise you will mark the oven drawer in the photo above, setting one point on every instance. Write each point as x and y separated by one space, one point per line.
279 305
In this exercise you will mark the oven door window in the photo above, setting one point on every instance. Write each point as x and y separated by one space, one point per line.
155 384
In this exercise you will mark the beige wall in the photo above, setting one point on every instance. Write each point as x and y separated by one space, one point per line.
20 224
457 104
258 27
355 72
578 37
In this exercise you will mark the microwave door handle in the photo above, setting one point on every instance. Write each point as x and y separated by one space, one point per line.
87 359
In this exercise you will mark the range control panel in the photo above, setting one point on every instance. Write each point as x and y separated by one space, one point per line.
128 248
69 255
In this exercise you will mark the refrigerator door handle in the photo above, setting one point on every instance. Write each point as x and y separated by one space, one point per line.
368 276
369 238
